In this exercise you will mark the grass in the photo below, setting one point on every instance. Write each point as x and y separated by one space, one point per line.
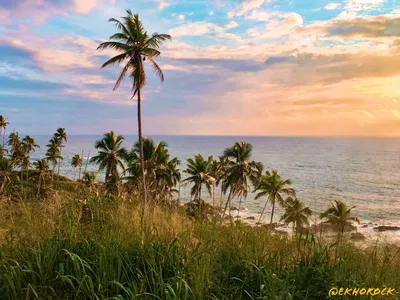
79 245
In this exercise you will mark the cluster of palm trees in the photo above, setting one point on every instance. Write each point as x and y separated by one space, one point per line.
122 168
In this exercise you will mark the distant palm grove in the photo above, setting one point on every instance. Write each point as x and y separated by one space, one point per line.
129 236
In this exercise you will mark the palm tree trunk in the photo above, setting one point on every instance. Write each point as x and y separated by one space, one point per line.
75 174
262 213
240 204
87 161
227 202
222 198
4 135
139 115
272 213
80 166
213 195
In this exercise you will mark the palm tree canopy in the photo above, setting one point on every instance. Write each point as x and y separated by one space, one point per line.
339 214
41 165
199 174
239 169
111 154
135 46
61 135
274 186
76 161
29 144
3 122
296 213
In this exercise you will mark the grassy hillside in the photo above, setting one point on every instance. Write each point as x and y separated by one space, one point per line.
77 244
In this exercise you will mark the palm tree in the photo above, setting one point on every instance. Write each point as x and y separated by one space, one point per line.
17 151
53 154
60 136
42 166
199 175
162 173
339 215
76 162
296 213
111 154
14 142
6 168
135 47
272 185
240 172
3 126
28 145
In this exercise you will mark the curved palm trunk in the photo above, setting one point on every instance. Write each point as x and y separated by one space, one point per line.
139 114
227 203
262 213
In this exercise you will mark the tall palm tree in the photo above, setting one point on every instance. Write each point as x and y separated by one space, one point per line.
76 162
111 154
42 166
296 213
136 46
273 186
60 136
6 168
3 126
339 215
240 172
199 175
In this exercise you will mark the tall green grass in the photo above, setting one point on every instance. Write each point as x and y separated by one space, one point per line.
81 246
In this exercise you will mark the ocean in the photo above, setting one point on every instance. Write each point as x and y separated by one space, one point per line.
363 172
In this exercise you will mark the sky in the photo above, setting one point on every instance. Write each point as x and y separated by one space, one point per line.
233 67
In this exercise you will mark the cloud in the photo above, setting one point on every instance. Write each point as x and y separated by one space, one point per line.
37 11
231 24
333 6
84 7
162 4
202 29
181 17
374 26
396 113
246 6
354 6
367 114
211 13
277 25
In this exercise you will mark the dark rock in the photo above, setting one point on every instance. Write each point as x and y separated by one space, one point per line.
387 228
358 236
251 218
